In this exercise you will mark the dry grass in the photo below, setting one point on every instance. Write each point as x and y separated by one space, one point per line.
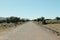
4 26
8 26
56 26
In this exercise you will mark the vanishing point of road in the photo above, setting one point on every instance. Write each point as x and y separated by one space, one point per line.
28 31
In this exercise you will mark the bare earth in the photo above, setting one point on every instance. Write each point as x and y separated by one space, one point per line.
28 31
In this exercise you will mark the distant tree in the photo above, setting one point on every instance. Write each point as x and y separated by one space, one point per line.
57 18
2 21
27 20
38 19
8 20
23 20
42 18
44 22
13 19
34 20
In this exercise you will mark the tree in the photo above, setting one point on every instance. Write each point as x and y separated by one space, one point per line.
23 20
2 21
57 18
39 19
27 20
44 22
13 19
8 20
34 20
42 18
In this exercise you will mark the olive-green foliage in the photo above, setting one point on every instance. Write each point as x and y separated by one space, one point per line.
13 19
39 19
57 18
11 22
48 21
44 22
2 21
52 21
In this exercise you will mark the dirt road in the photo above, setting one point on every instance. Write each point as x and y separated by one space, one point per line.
28 31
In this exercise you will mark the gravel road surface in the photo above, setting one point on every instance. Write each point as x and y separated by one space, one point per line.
28 31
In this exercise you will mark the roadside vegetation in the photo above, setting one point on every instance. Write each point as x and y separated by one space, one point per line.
10 22
50 23
42 20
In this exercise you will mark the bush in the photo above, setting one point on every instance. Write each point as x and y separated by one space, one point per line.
13 19
44 22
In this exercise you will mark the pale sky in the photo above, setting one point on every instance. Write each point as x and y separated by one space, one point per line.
30 9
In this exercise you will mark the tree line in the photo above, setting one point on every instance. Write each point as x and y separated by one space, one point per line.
13 19
44 21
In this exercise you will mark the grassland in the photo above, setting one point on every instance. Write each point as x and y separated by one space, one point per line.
8 26
55 26
10 22
52 21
